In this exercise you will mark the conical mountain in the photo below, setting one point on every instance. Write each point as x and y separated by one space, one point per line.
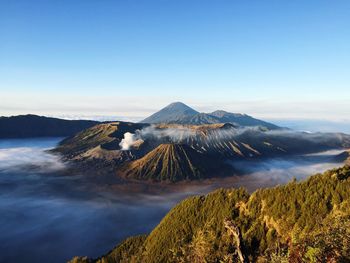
180 113
172 162
173 113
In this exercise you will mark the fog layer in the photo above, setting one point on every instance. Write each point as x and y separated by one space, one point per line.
47 215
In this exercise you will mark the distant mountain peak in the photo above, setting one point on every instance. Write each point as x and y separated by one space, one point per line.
171 113
180 113
177 104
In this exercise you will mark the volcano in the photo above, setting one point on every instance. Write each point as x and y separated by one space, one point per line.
180 113
174 152
173 113
173 162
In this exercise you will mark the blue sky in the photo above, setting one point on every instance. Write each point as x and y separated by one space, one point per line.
271 59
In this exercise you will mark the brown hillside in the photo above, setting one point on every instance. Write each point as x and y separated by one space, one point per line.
172 162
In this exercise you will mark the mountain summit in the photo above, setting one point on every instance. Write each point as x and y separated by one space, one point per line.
173 113
180 113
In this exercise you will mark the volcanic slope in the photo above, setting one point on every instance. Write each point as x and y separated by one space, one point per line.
173 162
99 145
220 140
173 113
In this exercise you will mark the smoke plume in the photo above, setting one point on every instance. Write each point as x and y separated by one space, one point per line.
128 141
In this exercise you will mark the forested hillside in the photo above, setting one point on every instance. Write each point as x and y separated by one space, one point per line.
306 221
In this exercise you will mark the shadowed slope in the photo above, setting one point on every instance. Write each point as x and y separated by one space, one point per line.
343 157
26 126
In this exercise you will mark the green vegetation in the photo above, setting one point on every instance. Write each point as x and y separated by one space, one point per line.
124 252
307 221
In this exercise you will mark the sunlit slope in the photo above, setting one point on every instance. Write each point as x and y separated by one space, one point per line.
173 152
106 136
226 140
296 222
174 162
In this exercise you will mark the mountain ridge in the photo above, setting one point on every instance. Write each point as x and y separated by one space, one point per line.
180 113
30 125
101 147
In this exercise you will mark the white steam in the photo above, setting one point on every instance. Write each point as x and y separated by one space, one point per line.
183 134
173 134
128 141
151 132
